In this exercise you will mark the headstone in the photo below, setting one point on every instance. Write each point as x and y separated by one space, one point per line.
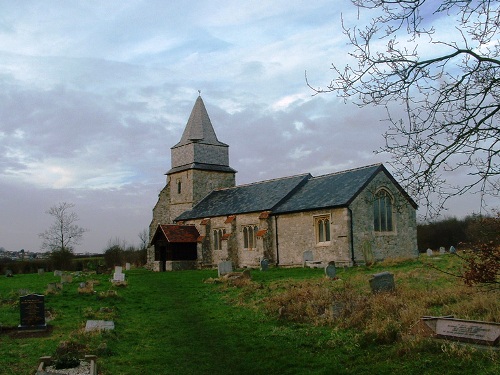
429 252
477 332
99 325
41 271
453 250
82 285
224 268
127 266
118 269
58 273
337 309
264 264
382 282
65 278
8 273
442 250
368 253
118 276
32 307
330 270
307 256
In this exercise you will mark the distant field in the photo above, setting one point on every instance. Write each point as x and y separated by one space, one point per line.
279 323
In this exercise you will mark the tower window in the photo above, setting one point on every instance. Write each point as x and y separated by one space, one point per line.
179 186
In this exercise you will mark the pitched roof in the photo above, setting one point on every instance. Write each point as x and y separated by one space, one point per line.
176 233
199 127
259 196
334 190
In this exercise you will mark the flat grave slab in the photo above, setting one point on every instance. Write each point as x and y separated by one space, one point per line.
99 325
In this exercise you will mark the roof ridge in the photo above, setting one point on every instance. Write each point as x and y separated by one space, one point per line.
264 181
349 170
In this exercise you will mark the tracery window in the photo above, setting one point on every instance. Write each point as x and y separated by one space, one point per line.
382 212
249 237
217 234
322 226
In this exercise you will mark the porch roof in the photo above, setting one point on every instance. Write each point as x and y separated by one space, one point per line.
174 233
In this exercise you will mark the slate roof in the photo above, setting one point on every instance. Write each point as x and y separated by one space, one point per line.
177 233
256 197
290 194
199 127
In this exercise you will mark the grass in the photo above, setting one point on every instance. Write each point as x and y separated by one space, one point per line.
278 323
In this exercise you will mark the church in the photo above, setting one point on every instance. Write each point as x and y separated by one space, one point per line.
202 218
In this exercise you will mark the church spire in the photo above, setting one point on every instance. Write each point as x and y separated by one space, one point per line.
199 127
199 147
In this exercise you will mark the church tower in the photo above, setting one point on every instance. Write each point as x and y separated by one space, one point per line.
200 164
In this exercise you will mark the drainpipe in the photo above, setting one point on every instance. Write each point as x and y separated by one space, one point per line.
352 236
277 246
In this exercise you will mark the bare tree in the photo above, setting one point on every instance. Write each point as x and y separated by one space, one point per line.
144 238
63 234
446 80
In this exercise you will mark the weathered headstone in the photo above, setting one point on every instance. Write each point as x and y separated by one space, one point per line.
41 271
307 256
337 309
99 325
8 273
264 264
330 270
429 252
442 250
127 266
65 278
368 255
453 250
224 267
58 273
118 269
32 309
118 276
382 282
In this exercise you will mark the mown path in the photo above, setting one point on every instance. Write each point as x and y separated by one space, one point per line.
173 323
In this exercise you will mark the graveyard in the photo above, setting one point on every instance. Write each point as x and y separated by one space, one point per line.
314 320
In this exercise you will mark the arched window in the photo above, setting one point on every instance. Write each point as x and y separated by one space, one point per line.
322 229
249 237
218 233
382 212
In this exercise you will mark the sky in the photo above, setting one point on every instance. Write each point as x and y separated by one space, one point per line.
94 93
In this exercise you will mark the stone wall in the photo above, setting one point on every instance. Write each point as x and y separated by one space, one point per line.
401 242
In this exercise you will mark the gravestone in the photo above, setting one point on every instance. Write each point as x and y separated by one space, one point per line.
127 266
224 268
307 256
99 325
41 271
65 278
8 273
368 253
264 264
429 252
382 282
337 309
330 270
58 273
32 311
118 275
453 250
477 332
442 250
118 269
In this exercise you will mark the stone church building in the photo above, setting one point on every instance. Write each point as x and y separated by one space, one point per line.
202 217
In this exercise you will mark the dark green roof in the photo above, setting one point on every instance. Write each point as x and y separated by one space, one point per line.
256 197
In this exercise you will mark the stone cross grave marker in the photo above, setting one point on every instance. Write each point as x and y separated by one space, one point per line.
382 282
429 252
224 268
330 270
264 264
32 311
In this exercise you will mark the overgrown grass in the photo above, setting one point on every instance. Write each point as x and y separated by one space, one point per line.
281 322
